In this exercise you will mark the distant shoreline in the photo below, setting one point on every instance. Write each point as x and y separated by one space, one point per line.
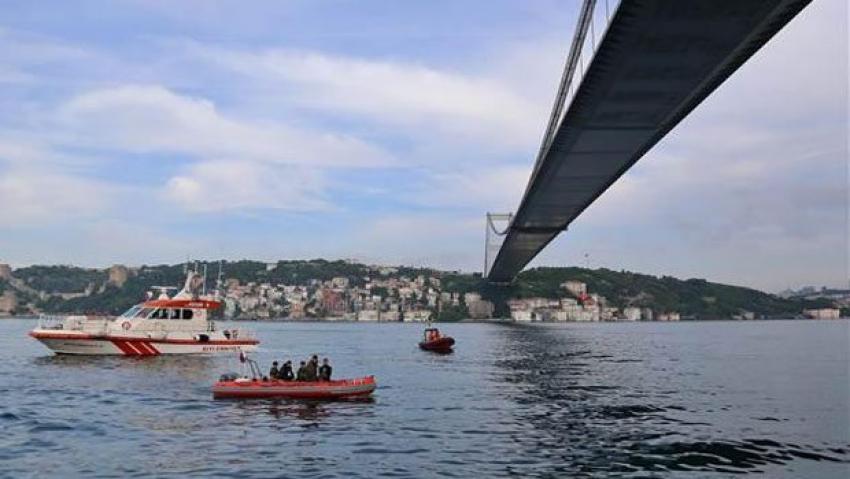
469 321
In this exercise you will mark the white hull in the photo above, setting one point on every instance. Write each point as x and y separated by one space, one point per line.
128 346
178 325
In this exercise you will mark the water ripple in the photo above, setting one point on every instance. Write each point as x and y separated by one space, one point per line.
646 400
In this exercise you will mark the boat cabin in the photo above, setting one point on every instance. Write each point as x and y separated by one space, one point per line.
172 309
432 334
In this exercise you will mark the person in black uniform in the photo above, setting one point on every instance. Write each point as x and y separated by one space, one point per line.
302 372
313 369
325 370
273 372
285 372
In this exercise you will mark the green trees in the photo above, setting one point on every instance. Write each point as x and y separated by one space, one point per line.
692 298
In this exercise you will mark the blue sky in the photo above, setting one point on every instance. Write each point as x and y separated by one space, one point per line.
145 131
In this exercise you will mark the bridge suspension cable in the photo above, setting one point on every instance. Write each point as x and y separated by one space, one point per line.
621 91
491 235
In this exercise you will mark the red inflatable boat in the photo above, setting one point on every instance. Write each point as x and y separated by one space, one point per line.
436 342
255 388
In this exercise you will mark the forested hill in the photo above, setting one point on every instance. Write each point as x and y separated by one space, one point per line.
72 289
695 298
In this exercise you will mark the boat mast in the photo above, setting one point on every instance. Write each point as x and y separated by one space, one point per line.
204 287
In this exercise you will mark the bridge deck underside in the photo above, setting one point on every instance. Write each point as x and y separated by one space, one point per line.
658 60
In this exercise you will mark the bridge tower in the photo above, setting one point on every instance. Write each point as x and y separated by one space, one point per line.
494 236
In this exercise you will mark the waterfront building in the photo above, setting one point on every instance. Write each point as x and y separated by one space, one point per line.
822 313
631 314
368 315
520 311
480 309
608 313
670 316
419 316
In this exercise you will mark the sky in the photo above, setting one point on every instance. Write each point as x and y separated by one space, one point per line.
143 132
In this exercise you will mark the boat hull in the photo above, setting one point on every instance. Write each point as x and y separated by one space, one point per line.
106 345
442 345
339 389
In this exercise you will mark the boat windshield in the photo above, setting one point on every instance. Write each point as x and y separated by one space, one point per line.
144 312
131 312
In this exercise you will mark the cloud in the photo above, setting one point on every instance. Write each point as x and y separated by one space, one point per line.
399 144
420 239
31 197
752 188
231 185
497 188
234 164
150 118
419 99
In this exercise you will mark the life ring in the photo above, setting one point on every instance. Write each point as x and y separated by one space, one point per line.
126 325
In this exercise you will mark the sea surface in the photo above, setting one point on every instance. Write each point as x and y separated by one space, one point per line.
710 399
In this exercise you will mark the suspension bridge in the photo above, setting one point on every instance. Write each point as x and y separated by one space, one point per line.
634 70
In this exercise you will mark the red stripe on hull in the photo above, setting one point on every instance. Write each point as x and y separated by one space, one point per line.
122 345
136 345
152 350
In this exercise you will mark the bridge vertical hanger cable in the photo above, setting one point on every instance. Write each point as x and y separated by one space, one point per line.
584 18
565 86
592 35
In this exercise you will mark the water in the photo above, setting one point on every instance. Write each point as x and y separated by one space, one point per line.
579 400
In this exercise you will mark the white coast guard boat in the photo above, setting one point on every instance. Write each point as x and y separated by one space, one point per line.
166 325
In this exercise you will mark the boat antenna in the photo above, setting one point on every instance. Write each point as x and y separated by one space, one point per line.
204 288
218 282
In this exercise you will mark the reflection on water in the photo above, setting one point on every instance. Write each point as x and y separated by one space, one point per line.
592 416
623 400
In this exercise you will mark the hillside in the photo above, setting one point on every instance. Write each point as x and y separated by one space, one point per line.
68 289
696 298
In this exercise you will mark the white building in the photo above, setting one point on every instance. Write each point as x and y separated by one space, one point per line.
672 316
419 316
608 313
631 314
576 288
822 313
368 315
471 298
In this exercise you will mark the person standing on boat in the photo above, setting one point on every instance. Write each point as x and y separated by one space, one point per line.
274 372
302 372
313 369
285 372
325 370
